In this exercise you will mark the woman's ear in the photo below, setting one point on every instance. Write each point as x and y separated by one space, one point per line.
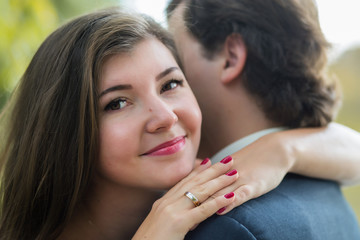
235 57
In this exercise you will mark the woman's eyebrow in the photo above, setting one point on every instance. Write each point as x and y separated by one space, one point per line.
165 72
128 86
116 88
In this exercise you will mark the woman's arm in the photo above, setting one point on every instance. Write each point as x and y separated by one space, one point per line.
331 152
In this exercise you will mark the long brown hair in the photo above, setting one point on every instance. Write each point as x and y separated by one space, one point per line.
51 134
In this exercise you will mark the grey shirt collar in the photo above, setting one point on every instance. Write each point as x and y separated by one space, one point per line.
242 142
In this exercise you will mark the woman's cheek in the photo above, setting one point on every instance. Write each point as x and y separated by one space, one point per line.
194 113
117 141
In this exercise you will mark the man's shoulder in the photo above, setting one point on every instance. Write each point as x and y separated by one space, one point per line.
300 208
220 227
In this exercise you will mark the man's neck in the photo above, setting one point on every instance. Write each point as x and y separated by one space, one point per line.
239 117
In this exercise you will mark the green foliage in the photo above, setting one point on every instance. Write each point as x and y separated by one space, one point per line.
23 25
346 68
352 194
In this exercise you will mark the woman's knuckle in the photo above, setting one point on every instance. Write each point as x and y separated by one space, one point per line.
203 211
156 204
246 192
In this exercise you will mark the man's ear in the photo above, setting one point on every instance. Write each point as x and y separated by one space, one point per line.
235 57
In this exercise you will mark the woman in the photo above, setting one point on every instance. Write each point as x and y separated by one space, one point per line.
101 124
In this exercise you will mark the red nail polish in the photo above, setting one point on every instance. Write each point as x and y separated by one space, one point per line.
221 210
205 161
226 160
229 195
232 172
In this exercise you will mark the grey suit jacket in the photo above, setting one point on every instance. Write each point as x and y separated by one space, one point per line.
299 208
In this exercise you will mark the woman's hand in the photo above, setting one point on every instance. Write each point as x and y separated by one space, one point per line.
175 214
261 166
330 152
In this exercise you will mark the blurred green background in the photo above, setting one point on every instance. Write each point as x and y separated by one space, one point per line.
24 24
347 68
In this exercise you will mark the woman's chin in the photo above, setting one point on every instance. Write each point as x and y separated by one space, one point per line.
174 178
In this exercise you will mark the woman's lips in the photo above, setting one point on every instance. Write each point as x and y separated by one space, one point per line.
167 148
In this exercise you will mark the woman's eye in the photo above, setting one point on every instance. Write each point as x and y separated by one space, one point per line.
116 104
171 85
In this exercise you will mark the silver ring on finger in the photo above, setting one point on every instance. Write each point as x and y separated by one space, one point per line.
193 198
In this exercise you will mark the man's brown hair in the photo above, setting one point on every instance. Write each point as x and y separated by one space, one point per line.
286 54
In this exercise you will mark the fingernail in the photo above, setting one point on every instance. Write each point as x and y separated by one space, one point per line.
229 195
226 160
232 172
205 161
221 210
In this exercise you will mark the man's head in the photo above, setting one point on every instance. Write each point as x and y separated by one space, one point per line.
275 47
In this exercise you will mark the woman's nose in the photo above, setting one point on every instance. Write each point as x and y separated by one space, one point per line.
162 116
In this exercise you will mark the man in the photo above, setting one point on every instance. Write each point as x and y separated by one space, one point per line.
257 66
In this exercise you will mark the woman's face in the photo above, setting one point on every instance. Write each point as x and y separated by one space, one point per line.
149 121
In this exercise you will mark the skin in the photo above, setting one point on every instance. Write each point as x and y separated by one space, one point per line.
150 115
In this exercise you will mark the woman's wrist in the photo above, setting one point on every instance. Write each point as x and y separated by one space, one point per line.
286 149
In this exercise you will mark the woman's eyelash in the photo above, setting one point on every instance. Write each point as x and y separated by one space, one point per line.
119 103
115 104
171 84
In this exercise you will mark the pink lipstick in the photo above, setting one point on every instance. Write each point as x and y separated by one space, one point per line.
167 148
